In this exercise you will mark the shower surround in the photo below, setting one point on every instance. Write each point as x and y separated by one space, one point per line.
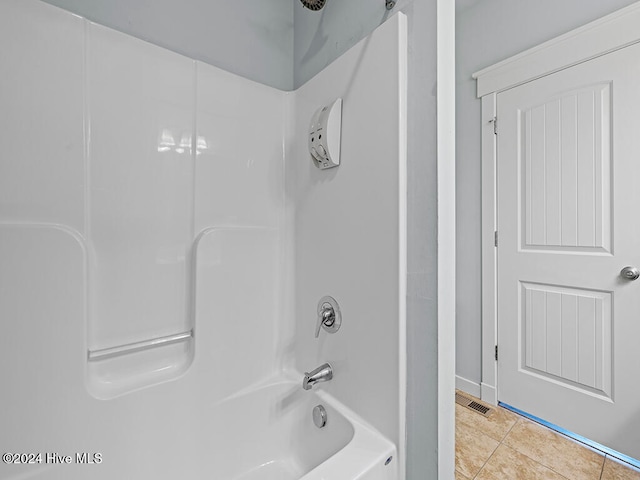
164 240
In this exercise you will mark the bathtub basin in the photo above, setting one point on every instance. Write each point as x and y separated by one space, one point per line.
265 432
271 436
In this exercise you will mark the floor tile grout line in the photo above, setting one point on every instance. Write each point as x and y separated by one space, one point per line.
487 460
522 419
553 470
518 417
462 474
536 461
509 431
566 437
475 429
603 463
500 442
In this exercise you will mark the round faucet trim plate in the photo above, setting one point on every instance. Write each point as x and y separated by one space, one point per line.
329 315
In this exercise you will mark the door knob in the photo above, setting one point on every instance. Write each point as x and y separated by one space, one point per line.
630 273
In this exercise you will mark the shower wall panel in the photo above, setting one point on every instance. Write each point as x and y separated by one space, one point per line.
350 229
41 120
239 219
141 196
140 164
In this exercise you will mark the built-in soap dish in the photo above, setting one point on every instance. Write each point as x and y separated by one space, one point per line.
118 370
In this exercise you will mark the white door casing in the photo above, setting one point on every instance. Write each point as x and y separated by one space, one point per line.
568 323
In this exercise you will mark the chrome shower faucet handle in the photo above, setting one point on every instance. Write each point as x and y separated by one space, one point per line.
329 316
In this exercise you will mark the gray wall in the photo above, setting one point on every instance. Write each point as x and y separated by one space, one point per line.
320 37
251 38
422 255
488 31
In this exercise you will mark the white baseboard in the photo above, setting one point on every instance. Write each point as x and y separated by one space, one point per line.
467 386
489 394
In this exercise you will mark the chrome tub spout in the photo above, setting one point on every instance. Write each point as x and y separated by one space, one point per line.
323 373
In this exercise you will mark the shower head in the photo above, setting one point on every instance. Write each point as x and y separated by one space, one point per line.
313 4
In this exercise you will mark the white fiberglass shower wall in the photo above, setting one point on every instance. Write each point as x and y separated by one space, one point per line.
350 228
164 240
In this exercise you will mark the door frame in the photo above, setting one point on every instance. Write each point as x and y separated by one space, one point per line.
605 35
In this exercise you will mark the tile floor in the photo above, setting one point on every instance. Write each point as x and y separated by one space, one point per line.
506 446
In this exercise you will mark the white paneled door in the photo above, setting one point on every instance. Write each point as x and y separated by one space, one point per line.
568 188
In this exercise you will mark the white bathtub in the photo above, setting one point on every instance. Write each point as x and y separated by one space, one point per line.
268 434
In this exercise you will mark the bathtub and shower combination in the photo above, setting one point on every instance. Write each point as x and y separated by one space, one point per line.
165 241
